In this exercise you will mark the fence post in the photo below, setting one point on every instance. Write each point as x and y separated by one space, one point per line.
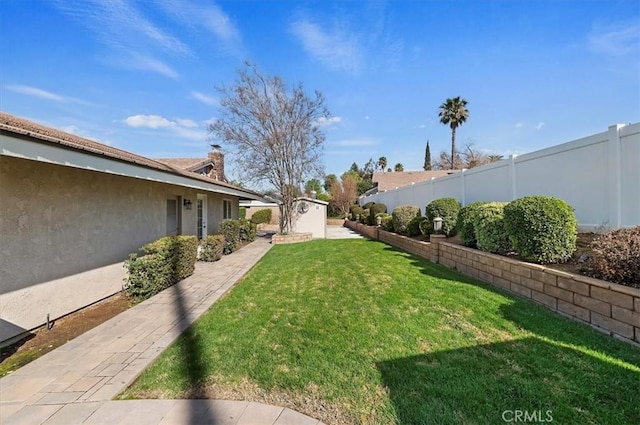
615 177
512 177
462 187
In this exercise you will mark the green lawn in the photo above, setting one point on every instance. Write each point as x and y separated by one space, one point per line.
355 331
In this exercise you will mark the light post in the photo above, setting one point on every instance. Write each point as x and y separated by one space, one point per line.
437 225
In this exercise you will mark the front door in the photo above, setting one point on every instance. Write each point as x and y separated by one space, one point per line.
201 205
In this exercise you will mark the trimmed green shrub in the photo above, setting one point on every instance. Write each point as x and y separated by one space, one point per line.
464 223
413 229
230 229
616 257
211 248
248 230
364 216
262 216
447 209
166 262
374 211
242 213
425 227
355 210
488 223
368 205
402 216
386 221
542 229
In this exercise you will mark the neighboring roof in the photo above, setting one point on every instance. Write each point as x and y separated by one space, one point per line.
317 201
251 204
50 136
391 180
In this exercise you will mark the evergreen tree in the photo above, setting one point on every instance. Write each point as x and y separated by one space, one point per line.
427 158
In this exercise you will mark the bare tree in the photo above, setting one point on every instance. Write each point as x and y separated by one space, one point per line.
274 133
467 158
344 194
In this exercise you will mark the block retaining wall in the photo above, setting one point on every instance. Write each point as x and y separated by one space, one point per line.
609 307
292 238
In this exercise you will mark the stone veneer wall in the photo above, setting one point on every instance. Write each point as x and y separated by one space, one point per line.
612 308
292 238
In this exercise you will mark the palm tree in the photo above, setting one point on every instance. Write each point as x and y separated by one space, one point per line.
382 163
453 112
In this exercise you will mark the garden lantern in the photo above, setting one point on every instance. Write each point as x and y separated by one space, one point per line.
437 225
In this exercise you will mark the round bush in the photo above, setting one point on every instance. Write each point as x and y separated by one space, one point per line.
413 229
616 257
447 209
488 222
386 221
542 229
374 211
368 205
364 217
402 216
464 224
355 210
262 216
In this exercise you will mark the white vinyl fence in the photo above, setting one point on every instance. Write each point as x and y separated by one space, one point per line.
598 175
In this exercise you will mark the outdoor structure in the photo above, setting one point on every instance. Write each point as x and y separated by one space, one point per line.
597 175
71 210
311 217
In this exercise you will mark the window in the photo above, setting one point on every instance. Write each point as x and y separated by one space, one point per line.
226 209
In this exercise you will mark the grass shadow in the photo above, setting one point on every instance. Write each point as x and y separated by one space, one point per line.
477 385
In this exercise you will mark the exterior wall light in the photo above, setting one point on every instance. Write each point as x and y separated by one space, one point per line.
378 220
437 225
187 203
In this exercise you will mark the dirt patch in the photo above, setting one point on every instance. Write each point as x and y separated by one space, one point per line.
43 340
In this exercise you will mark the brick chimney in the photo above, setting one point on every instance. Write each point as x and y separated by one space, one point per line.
217 157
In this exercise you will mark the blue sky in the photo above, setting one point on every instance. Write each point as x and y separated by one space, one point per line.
141 75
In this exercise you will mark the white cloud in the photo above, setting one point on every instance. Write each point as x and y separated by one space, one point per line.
519 125
615 40
208 100
326 122
338 50
36 92
181 127
150 64
540 125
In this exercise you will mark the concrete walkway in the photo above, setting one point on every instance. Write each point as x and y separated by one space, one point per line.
341 232
75 383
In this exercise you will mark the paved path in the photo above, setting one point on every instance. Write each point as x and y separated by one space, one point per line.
341 232
75 383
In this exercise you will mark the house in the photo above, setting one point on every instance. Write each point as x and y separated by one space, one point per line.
72 210
211 166
384 181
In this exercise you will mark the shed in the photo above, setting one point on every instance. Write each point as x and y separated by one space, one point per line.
310 217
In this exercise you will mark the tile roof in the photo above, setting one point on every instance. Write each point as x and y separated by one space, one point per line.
21 126
391 180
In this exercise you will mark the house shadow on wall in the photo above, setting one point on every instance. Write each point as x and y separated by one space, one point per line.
478 384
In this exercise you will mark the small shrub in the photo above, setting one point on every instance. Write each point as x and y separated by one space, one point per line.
447 209
230 229
355 211
242 214
464 224
413 229
425 227
262 216
374 211
617 257
248 230
386 221
166 262
211 248
488 223
402 216
542 229
364 216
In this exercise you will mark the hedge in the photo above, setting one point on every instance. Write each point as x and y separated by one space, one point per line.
542 229
211 248
489 229
262 216
617 257
464 224
374 211
166 262
248 230
402 216
230 229
355 210
447 209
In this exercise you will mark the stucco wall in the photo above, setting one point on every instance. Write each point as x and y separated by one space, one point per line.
313 221
65 233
